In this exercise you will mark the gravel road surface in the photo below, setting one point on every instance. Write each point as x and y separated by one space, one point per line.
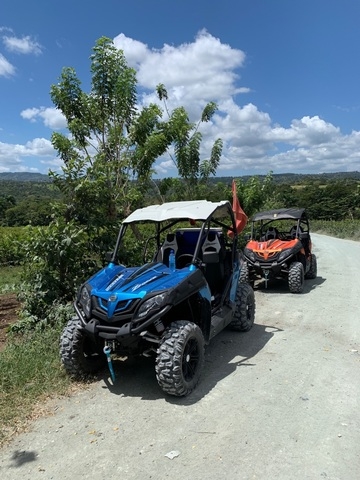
278 402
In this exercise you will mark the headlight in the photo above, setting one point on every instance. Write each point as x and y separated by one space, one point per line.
284 254
85 301
154 303
249 254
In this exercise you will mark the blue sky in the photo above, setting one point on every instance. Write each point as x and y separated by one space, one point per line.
284 73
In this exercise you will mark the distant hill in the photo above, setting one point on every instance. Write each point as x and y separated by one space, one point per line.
291 178
24 177
22 185
295 178
26 185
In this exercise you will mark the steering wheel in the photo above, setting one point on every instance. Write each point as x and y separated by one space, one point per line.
184 260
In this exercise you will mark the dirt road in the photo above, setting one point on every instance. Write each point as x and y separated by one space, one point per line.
279 402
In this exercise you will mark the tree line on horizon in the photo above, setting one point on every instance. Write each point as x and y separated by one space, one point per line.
332 198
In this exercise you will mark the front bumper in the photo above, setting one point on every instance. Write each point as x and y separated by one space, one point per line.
266 269
120 333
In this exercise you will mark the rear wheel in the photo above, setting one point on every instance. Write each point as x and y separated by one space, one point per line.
180 358
244 314
79 354
296 277
312 273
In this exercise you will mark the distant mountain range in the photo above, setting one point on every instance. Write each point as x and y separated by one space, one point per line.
296 178
24 177
291 178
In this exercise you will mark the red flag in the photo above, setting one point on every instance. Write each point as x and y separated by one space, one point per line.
240 216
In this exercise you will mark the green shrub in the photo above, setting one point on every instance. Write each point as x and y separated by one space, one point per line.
12 241
57 261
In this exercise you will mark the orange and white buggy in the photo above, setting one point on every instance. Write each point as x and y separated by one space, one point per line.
279 246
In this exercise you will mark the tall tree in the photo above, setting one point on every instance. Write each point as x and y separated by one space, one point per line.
185 138
256 194
112 143
107 156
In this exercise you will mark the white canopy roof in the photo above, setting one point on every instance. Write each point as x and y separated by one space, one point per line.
195 210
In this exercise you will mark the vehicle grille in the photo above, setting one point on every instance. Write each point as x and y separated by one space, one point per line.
266 255
124 309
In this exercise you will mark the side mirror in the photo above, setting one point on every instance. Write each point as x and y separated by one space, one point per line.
304 236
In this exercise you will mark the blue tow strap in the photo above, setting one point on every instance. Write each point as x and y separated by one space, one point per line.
107 351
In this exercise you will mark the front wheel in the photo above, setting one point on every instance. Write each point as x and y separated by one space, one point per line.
296 277
244 314
312 273
180 358
79 355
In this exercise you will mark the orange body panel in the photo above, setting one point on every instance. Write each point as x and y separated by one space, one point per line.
270 248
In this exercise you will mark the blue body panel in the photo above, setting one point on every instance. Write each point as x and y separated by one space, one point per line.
114 281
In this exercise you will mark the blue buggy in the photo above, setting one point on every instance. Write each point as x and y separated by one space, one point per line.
171 306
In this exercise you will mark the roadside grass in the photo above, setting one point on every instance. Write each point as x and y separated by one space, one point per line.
30 374
30 369
347 229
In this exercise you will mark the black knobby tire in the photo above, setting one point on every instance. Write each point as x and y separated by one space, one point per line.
296 277
244 314
180 358
244 273
79 354
312 273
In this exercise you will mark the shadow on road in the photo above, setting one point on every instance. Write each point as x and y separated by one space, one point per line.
19 458
281 286
135 377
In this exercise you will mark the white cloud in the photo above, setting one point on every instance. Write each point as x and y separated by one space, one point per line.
208 70
53 164
52 117
166 168
13 157
25 45
307 131
193 73
135 51
6 68
17 167
37 146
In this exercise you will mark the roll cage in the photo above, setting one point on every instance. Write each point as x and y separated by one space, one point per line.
177 218
286 224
